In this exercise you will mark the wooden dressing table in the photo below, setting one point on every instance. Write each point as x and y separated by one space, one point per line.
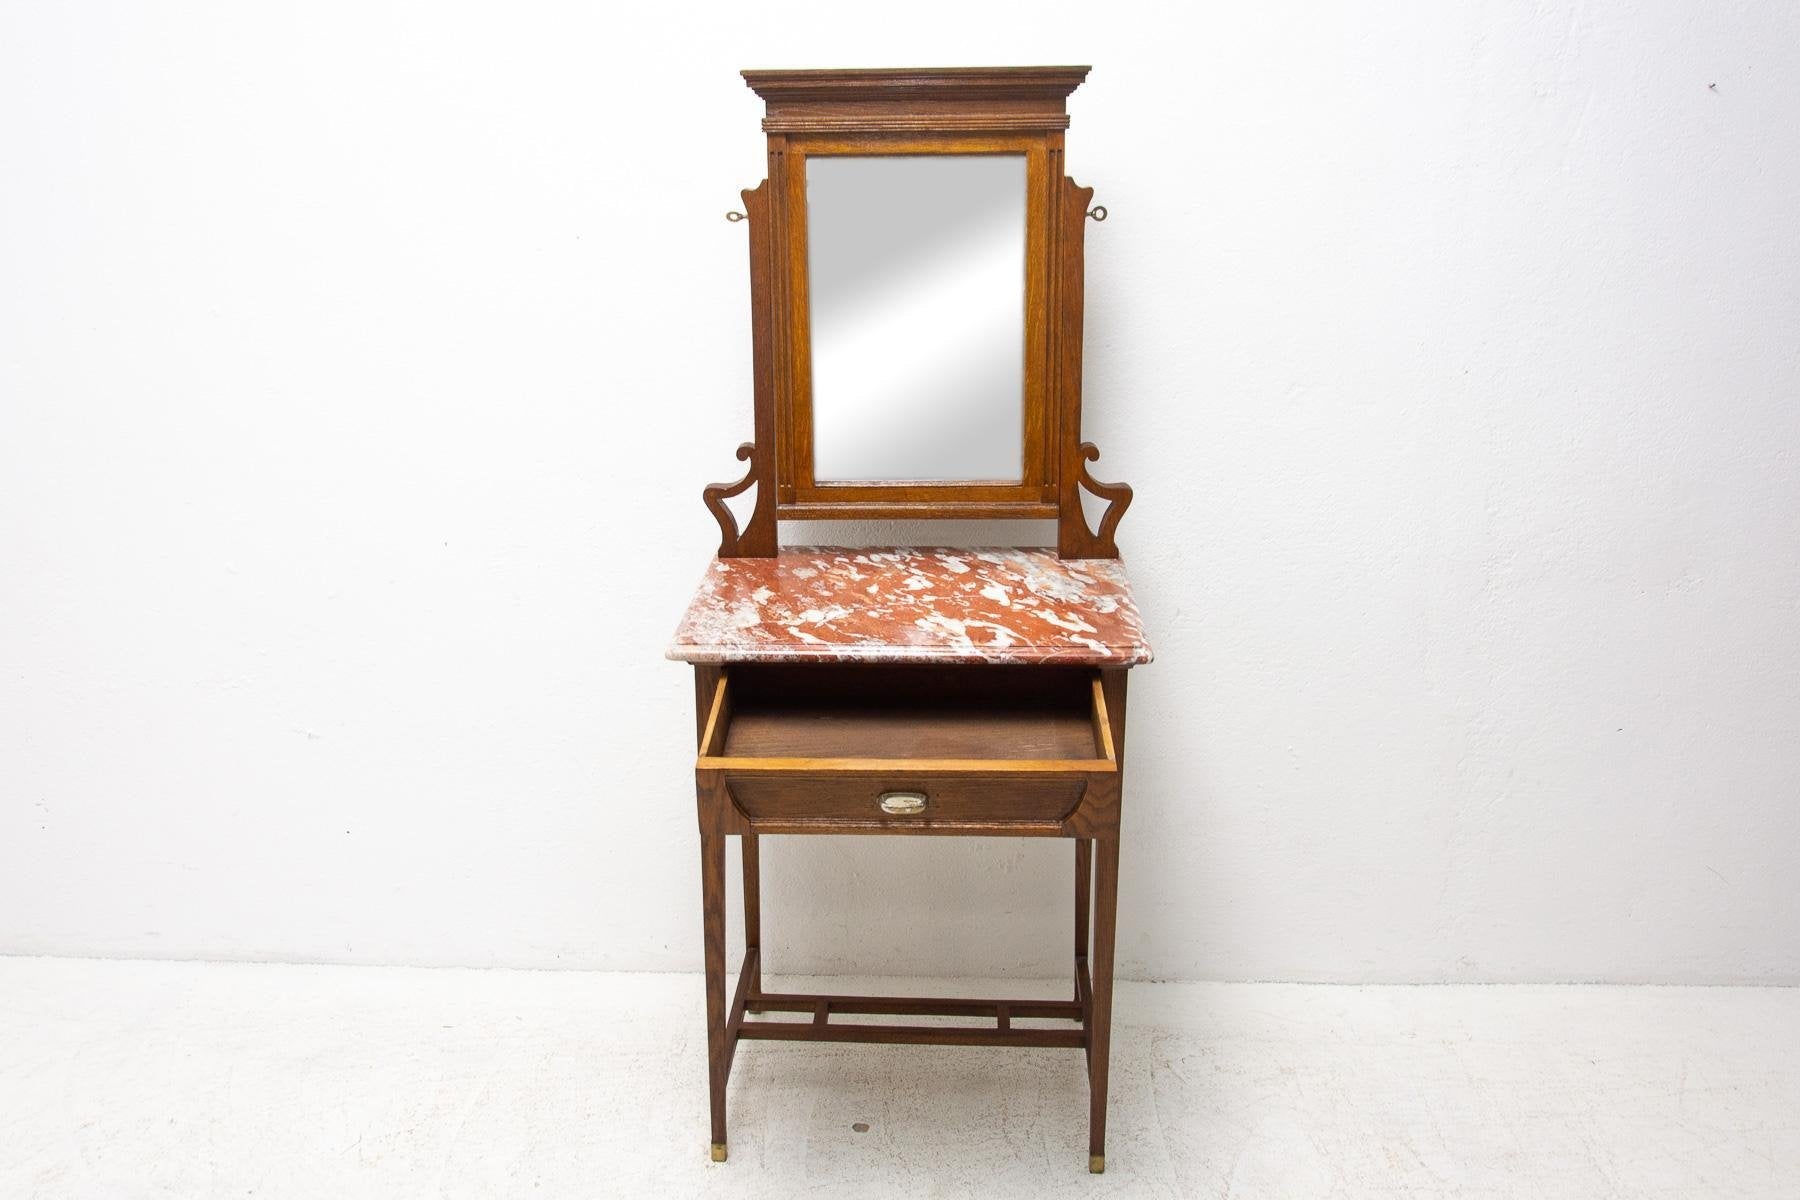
974 692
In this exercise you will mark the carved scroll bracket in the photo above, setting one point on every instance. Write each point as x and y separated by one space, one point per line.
749 542
1074 538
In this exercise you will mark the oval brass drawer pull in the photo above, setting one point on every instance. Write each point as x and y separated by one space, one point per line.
903 804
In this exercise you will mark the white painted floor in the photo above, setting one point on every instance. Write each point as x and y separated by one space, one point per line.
201 1080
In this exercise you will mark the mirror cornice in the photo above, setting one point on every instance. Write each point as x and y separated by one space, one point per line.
916 99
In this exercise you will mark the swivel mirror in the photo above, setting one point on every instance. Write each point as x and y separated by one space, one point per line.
916 303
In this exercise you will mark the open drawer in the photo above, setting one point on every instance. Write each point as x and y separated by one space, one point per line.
865 748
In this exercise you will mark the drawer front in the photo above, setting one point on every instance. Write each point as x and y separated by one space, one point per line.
893 803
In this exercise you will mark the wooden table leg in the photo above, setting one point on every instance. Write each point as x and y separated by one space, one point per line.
1106 912
753 920
1084 891
712 890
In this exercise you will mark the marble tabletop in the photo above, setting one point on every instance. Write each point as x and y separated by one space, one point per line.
903 605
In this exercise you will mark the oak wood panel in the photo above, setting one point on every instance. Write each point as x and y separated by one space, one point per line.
717 719
957 800
781 304
910 732
1102 723
909 1035
917 1006
919 510
707 678
988 768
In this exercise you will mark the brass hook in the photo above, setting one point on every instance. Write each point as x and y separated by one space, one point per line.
734 217
1098 212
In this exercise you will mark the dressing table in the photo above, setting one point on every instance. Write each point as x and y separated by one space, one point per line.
916 314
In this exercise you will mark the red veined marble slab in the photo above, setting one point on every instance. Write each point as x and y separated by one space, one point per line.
900 605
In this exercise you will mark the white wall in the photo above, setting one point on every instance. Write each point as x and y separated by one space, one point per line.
360 366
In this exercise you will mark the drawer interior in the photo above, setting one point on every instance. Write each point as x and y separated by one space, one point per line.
965 714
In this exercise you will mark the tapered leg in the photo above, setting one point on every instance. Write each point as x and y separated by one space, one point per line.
1084 890
712 888
1106 912
753 920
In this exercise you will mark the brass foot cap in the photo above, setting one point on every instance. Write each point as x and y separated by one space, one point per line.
1096 1164
718 1151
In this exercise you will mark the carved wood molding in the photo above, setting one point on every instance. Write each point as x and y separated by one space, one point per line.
947 100
942 83
905 121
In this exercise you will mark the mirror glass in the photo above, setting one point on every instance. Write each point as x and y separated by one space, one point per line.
916 292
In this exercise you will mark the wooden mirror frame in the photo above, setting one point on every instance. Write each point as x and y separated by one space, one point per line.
971 110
